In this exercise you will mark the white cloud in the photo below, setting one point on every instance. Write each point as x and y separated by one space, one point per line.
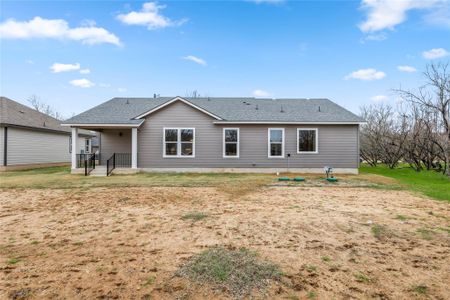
260 93
85 71
121 90
376 37
30 62
407 69
58 68
386 14
83 83
435 53
366 74
195 59
379 98
150 16
56 29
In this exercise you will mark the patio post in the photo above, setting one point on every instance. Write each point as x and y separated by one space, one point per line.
134 148
74 147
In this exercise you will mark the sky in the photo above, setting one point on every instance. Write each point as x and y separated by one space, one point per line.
75 55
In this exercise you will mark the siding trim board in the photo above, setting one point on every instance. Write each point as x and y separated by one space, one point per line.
174 100
287 123
103 125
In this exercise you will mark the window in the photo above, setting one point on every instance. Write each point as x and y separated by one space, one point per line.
276 142
70 144
179 142
87 145
307 140
231 142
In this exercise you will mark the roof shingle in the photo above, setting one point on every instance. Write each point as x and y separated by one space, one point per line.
125 110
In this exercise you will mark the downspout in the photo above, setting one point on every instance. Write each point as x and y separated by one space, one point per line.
5 146
358 146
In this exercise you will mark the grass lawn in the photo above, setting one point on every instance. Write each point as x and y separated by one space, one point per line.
222 236
430 183
60 177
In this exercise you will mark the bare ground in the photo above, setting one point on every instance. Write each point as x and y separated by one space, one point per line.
127 243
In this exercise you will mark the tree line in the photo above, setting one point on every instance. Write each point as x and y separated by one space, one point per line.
416 131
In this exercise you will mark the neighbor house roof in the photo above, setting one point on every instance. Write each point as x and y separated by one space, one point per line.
131 111
15 114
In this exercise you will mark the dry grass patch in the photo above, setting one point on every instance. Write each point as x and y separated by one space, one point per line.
194 216
236 271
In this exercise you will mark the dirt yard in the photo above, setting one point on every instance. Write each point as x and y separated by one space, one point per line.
128 243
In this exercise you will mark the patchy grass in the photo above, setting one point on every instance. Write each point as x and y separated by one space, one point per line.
379 231
149 281
311 295
430 183
60 177
13 261
236 271
326 258
311 268
194 216
401 217
361 277
425 233
420 289
234 184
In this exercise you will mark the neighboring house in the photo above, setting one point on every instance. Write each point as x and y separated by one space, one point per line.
223 134
31 139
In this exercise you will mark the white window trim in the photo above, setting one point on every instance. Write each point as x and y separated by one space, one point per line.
237 143
268 142
178 143
317 141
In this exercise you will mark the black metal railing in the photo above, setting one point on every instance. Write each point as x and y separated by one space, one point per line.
110 164
89 164
123 160
81 158
118 160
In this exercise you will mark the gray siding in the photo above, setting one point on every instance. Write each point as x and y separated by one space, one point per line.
33 147
338 144
113 142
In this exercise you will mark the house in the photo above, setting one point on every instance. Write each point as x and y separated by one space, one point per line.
30 139
222 134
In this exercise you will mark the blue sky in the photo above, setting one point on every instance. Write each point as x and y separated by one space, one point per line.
75 55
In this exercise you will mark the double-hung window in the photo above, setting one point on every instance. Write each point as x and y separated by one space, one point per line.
276 143
231 142
87 146
307 140
179 142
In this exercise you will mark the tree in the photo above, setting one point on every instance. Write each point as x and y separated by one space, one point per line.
44 108
193 94
433 99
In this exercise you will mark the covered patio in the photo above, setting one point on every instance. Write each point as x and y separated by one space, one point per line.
118 151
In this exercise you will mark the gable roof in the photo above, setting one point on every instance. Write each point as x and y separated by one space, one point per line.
190 103
131 111
15 114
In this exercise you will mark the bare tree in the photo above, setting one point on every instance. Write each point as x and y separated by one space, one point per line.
193 94
44 108
434 100
383 136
